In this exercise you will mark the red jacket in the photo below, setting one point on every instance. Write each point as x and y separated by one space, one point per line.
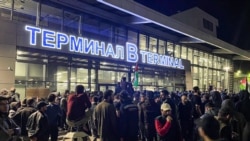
167 131
162 129
76 105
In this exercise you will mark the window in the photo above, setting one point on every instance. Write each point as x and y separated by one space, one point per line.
132 37
203 80
152 44
195 73
177 51
142 42
183 52
208 25
120 35
196 56
210 60
190 55
170 48
162 47
51 17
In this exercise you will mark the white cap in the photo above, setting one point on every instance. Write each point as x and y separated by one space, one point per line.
165 107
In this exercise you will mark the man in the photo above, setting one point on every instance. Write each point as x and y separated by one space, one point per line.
238 120
165 98
141 117
150 111
54 113
77 104
22 116
209 110
185 117
243 107
167 128
205 100
8 128
208 128
196 103
37 124
105 118
94 102
15 97
224 118
63 106
128 121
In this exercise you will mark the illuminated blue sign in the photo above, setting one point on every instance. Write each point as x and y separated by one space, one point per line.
129 53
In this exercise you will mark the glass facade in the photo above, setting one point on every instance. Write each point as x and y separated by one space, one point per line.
61 72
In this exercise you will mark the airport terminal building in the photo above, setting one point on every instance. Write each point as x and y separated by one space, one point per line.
57 44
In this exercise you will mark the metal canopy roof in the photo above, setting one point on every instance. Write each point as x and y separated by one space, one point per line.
147 16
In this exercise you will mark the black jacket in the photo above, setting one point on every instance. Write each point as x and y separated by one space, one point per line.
21 118
150 111
38 126
128 121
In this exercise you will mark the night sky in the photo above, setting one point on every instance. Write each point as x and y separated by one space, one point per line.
233 16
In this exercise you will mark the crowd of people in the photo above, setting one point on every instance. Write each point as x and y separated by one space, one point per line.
127 115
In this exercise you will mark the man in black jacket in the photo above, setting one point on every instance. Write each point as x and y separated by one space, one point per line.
128 121
150 111
38 125
165 98
22 116
185 117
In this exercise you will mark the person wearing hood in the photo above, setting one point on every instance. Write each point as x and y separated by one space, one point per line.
238 120
243 107
129 118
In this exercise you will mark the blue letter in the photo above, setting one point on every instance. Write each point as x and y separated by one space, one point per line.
62 39
48 36
176 62
88 46
150 58
156 58
143 54
110 51
132 55
162 60
171 62
99 48
119 52
76 45
33 31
